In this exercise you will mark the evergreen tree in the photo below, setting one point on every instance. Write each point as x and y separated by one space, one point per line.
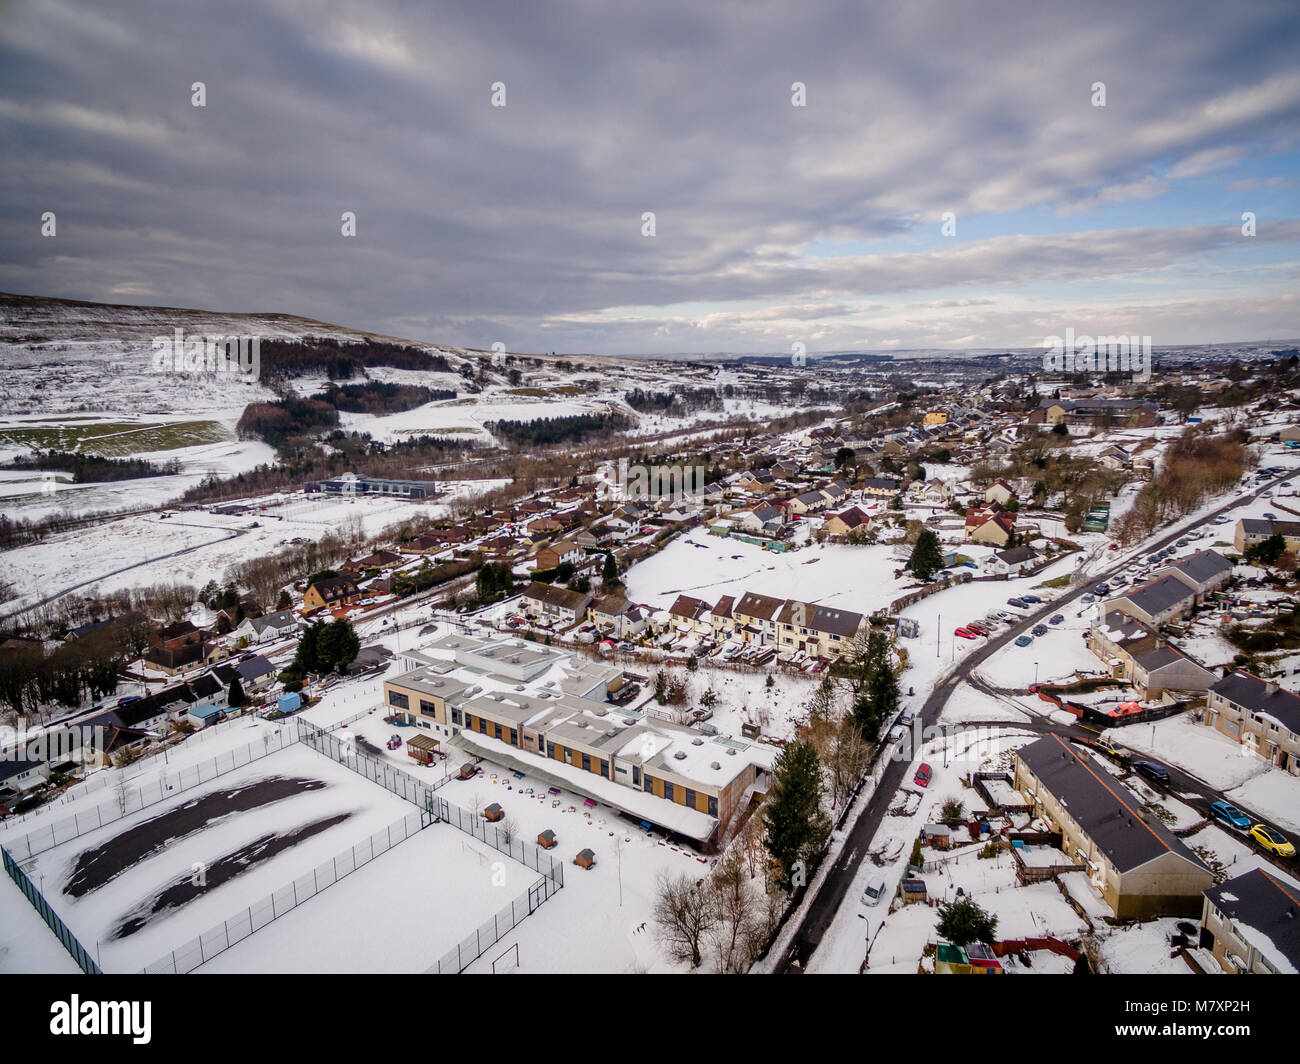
926 559
796 825
609 574
235 697
963 922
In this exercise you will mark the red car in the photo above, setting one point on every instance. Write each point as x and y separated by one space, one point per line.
977 628
922 777
965 633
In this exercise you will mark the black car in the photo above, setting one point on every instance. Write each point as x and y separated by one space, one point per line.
1155 773
1040 629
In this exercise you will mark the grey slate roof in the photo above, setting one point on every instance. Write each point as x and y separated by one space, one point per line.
1159 595
1257 900
1253 694
1106 811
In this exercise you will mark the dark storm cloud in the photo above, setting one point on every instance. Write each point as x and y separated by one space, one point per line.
523 223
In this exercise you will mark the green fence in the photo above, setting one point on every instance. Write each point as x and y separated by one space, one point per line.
84 961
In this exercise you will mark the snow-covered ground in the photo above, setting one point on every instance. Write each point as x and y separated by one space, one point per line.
93 917
195 546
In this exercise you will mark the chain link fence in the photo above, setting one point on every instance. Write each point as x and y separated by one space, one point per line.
84 961
130 798
230 932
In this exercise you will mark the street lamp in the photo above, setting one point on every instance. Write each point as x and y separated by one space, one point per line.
1035 674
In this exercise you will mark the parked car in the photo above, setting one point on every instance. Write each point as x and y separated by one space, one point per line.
1040 629
923 774
1272 841
1111 749
1101 589
1010 618
1018 603
965 633
875 890
1152 771
1270 517
978 627
1056 618
896 733
1030 598
1024 640
907 718
1230 815
1088 599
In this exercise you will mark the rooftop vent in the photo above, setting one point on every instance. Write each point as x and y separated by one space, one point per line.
715 765
731 752
680 755
697 742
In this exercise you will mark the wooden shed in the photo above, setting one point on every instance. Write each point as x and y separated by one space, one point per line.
585 859
914 891
546 840
423 748
494 812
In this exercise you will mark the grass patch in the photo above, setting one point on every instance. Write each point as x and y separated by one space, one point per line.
1056 581
115 439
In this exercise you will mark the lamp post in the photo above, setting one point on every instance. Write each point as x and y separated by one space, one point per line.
1035 674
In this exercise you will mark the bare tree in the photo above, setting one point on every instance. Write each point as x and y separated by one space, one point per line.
684 913
736 919
849 754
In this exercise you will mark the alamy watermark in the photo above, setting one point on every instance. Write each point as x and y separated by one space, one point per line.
52 745
1087 354
207 354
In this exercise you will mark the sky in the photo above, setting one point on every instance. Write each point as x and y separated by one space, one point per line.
843 175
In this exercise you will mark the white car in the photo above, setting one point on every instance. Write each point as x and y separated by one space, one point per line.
875 890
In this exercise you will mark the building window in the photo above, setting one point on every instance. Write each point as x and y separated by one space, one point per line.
400 701
690 797
586 762
713 806
428 708
496 731
649 783
456 717
668 790
550 749
636 775
604 767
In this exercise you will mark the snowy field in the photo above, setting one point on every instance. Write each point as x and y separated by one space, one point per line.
116 900
196 546
401 913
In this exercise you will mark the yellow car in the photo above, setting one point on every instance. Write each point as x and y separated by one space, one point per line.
1271 840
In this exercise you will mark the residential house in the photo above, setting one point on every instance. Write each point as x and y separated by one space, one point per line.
1252 530
1260 715
1137 865
555 604
330 593
1252 923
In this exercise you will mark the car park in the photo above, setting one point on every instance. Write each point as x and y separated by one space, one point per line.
1024 640
1273 841
923 774
1151 770
1230 815
1056 618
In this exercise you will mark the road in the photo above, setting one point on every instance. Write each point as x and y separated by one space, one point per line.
835 887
